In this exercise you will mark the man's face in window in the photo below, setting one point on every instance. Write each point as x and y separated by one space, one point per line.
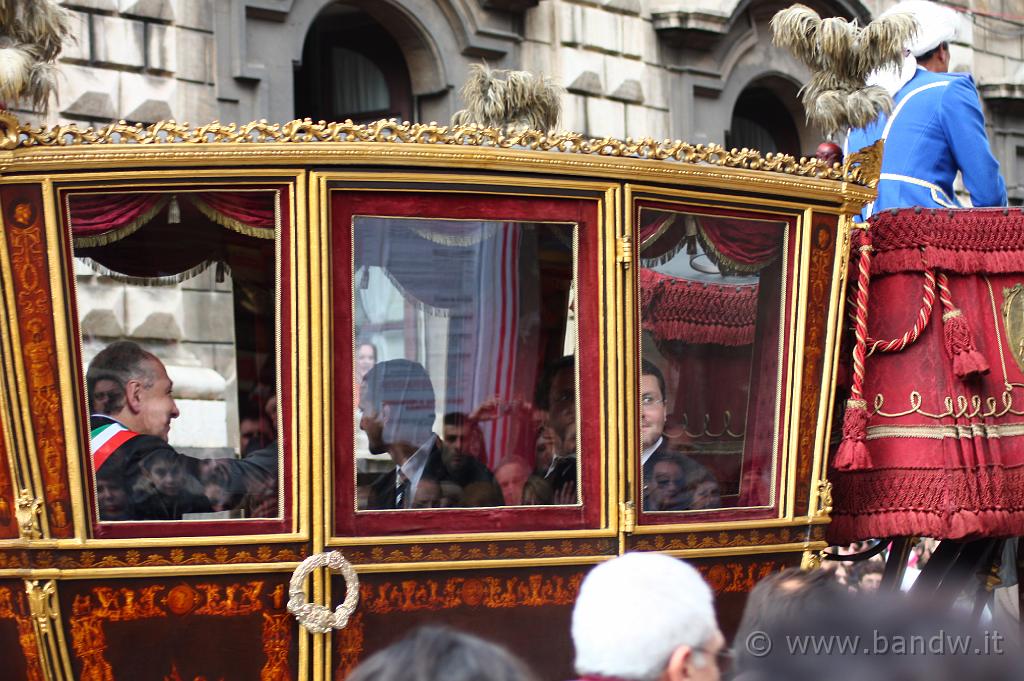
562 401
652 410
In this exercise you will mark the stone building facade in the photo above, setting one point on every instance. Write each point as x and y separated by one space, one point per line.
698 70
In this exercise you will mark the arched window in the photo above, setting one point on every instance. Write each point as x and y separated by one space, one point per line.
762 121
351 68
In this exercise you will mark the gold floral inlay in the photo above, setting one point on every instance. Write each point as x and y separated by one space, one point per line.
860 168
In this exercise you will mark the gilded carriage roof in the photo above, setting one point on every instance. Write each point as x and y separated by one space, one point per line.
860 168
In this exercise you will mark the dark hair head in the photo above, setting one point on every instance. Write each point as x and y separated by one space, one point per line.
455 418
781 596
119 362
542 398
401 383
159 456
433 653
649 368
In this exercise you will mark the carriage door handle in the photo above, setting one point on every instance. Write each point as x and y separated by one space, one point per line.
317 618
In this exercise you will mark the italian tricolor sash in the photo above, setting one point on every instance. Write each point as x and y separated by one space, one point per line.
104 441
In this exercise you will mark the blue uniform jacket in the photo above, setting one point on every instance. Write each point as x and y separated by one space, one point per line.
936 132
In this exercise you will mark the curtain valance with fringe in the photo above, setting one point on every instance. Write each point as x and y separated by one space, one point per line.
734 245
98 219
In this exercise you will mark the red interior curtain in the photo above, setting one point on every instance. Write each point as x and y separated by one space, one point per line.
97 219
740 246
674 309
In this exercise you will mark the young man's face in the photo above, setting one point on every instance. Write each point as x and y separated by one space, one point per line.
166 477
668 485
562 401
112 500
652 410
156 404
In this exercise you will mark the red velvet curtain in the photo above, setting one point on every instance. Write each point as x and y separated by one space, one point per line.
674 309
734 245
100 218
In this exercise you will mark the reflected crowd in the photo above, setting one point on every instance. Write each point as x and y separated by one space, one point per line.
644 616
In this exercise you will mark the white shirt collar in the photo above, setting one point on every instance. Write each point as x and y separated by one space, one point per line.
413 469
648 451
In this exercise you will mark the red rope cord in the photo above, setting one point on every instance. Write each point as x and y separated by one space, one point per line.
861 320
923 315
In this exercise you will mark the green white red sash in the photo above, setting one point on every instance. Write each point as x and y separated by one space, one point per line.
104 441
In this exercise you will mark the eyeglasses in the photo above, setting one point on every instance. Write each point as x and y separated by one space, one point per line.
648 401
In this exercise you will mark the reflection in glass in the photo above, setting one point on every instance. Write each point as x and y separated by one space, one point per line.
176 297
464 368
710 300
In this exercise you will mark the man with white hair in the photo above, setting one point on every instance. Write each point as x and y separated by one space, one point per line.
936 128
646 617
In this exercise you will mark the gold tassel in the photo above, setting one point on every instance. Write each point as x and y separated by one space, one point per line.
173 211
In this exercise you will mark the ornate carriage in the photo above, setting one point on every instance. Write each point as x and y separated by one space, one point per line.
254 261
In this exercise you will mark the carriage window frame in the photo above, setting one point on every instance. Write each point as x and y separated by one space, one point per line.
782 480
462 198
289 524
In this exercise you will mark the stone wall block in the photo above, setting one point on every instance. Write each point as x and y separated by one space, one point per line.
79 45
625 6
637 37
570 24
574 112
605 118
149 9
119 41
201 423
194 51
602 30
161 54
148 99
197 14
209 317
539 22
575 63
101 309
643 121
153 312
197 102
88 93
618 70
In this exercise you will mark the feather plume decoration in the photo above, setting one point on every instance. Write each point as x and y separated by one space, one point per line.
841 55
511 101
31 35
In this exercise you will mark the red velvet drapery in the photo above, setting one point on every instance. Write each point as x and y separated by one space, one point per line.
735 245
100 218
674 309
946 453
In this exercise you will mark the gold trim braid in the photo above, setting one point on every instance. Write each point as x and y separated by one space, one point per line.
391 131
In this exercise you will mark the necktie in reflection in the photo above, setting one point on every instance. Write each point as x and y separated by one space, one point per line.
401 489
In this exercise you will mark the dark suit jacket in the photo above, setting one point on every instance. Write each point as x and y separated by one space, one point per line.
382 490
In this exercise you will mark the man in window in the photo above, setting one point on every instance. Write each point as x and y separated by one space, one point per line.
130 396
397 403
671 481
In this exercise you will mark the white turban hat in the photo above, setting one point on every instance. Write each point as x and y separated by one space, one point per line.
936 24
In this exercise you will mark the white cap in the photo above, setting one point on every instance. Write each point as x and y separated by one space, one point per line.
936 24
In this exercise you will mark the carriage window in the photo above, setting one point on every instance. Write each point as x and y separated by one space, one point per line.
465 378
176 297
711 291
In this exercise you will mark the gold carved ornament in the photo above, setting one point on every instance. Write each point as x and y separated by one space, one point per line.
317 618
14 135
1013 322
27 510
